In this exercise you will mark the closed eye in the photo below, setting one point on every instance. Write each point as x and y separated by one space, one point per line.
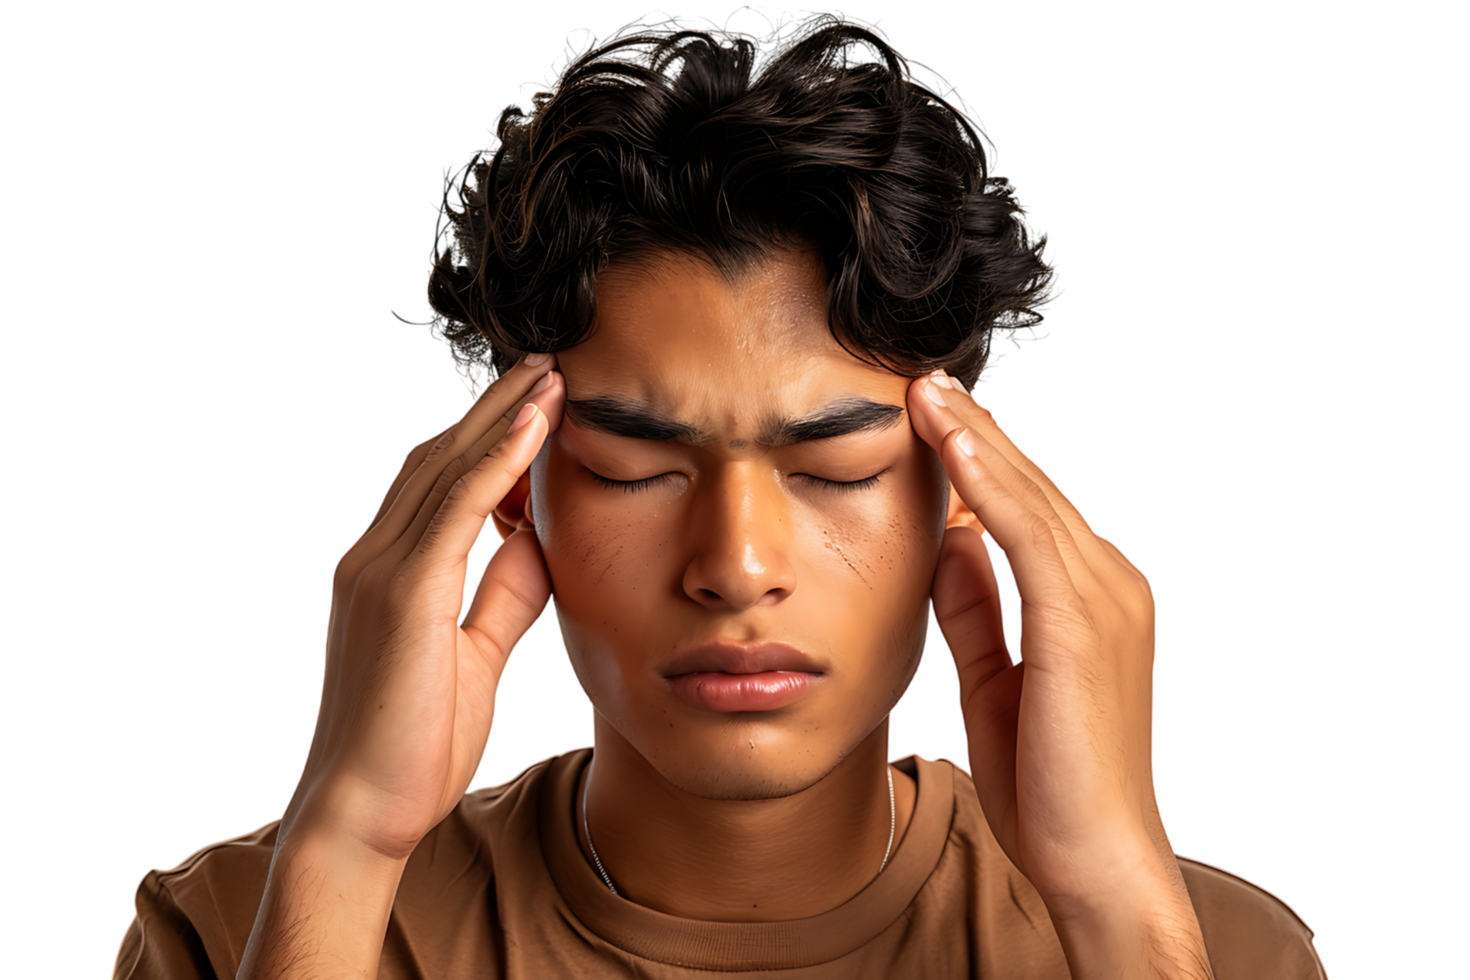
629 487
632 487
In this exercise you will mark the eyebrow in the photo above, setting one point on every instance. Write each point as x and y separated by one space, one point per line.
634 420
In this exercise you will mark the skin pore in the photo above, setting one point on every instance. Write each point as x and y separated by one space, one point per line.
726 474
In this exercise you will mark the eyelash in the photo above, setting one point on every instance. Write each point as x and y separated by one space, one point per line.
834 486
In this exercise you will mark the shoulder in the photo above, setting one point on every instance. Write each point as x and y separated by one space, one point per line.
511 810
194 919
190 917
217 889
1248 931
484 837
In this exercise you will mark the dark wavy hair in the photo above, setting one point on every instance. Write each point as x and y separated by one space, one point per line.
673 142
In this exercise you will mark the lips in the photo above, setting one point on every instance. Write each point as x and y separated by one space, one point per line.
734 658
765 691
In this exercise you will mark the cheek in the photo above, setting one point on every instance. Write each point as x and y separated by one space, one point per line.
849 551
598 544
599 550
885 540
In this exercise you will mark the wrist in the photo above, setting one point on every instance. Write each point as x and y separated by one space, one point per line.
311 849
1141 924
325 909
1123 868
343 819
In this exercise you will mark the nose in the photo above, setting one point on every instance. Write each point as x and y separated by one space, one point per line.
741 533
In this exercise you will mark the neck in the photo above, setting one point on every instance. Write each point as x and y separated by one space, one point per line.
741 860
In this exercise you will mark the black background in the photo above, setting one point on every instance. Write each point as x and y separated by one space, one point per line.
280 213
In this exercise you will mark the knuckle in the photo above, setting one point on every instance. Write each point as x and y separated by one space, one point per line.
436 526
1140 587
1062 614
437 447
1041 534
494 462
1129 602
453 470
376 574
526 604
344 577
1138 581
352 559
397 587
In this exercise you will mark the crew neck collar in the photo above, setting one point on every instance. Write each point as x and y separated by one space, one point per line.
744 946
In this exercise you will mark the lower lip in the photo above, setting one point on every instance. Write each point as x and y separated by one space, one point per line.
766 691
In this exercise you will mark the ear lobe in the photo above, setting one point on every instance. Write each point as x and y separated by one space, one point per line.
961 515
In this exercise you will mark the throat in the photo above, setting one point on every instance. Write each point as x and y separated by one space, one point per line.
752 863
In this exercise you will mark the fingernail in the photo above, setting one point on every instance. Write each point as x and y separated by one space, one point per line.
932 392
536 360
966 442
941 378
541 385
526 414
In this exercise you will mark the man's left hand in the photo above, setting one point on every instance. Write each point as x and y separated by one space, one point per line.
1060 742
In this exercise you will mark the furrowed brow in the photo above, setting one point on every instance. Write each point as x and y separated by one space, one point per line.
634 420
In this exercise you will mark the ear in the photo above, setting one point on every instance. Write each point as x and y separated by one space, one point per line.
960 515
513 513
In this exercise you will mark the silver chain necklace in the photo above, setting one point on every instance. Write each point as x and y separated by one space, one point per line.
587 829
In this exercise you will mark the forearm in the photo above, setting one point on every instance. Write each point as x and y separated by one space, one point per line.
324 912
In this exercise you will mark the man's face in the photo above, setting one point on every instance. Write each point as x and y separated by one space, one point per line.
749 601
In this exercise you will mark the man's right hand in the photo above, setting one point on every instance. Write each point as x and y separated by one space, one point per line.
409 690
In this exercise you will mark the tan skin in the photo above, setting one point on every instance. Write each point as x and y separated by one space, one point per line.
740 534
744 541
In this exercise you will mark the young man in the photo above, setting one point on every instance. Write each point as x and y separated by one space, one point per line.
735 317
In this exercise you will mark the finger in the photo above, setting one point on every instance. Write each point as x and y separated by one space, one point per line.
985 425
548 394
1094 548
967 606
483 425
979 418
935 420
509 600
961 516
1012 507
446 528
424 466
1090 559
511 594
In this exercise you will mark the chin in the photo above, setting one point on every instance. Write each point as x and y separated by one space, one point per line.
750 756
742 773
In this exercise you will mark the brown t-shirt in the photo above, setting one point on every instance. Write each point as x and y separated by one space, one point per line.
500 888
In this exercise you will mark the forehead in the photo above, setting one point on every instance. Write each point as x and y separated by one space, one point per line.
678 336
731 362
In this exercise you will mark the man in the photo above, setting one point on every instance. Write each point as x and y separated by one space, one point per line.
735 316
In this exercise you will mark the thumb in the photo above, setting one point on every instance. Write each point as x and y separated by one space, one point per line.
511 594
967 606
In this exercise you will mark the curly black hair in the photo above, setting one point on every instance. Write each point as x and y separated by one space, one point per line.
659 142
